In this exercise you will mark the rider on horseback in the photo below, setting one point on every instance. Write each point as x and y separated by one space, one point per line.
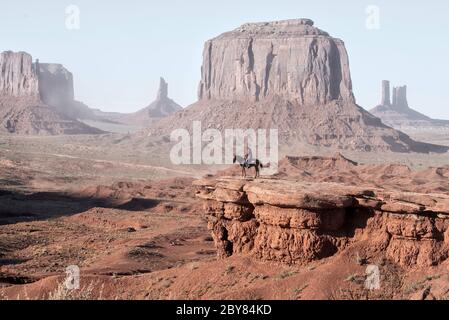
248 162
248 157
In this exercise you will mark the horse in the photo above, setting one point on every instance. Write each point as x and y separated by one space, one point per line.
241 161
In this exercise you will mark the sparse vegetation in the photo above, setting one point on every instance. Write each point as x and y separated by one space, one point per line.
193 266
349 294
298 291
355 278
420 285
166 283
433 277
229 269
360 260
63 293
3 295
286 274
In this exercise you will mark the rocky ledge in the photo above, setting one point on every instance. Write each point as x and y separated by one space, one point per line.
298 222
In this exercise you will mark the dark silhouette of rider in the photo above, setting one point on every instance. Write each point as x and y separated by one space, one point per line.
248 157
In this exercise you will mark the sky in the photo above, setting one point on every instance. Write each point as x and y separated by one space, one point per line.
119 49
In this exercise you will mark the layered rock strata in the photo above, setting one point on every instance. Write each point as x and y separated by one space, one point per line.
299 222
290 59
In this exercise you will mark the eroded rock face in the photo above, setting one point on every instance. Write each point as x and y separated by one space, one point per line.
399 115
162 107
290 59
37 99
299 222
55 84
386 101
17 75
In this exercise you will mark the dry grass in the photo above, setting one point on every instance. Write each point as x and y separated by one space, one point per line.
84 293
229 269
286 274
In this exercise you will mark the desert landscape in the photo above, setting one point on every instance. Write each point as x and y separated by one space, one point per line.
354 191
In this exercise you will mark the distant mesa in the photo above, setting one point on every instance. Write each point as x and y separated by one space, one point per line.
37 98
396 112
291 76
289 59
56 89
162 107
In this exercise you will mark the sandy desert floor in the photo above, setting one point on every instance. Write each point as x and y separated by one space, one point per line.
131 222
435 136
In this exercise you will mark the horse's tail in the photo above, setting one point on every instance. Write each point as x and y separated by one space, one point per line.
260 163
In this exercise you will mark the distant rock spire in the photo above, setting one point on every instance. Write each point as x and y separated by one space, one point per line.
385 93
163 89
36 67
400 97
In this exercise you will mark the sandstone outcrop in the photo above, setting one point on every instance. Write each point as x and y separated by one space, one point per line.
398 114
55 84
386 101
18 76
290 59
298 222
56 89
286 75
37 98
400 97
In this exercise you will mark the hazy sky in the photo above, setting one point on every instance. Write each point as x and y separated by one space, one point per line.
123 47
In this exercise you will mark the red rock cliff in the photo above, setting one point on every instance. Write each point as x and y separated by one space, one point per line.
298 222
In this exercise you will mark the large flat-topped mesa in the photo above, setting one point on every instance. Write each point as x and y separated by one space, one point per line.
290 59
278 29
